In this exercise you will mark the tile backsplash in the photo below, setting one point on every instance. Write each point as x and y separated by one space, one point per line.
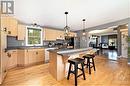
13 42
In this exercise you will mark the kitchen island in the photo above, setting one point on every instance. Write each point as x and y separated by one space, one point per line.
58 66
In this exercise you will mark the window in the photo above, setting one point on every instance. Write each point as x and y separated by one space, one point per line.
34 36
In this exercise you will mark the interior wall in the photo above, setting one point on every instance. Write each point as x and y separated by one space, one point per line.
83 39
129 42
116 23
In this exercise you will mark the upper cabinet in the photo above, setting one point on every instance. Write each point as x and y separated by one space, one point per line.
10 24
73 34
49 34
52 34
59 34
21 32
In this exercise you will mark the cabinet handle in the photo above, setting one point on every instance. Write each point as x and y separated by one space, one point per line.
5 29
5 71
9 32
9 55
36 52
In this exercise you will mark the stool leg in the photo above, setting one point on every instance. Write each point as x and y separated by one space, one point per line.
87 63
93 64
76 70
84 62
69 71
83 71
89 66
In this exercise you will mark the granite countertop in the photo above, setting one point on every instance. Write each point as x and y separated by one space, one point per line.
27 47
70 51
63 51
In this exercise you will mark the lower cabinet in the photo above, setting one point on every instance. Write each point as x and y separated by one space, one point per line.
32 55
12 59
27 57
3 65
40 55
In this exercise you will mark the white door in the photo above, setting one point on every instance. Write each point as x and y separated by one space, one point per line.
124 44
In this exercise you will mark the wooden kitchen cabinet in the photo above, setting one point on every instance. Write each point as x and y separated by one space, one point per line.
36 56
32 56
3 66
3 56
21 32
10 23
22 58
12 59
73 34
27 57
4 22
40 55
49 34
59 34
12 26
52 34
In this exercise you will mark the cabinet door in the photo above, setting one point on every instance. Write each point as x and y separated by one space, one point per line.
3 56
59 34
73 34
40 55
31 56
3 68
50 34
5 23
12 26
12 58
21 32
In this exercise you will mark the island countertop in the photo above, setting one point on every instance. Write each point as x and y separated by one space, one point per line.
58 66
69 52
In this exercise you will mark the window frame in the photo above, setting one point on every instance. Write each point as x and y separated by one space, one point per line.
41 34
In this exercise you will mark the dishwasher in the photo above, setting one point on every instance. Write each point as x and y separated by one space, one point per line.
47 54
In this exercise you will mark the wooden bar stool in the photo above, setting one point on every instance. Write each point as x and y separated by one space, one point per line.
90 64
75 62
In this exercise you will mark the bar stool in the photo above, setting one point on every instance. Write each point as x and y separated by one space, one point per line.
90 64
75 62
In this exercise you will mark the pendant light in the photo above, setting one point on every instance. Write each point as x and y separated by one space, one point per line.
66 28
83 27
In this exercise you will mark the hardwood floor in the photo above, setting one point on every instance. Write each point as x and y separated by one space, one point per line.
108 73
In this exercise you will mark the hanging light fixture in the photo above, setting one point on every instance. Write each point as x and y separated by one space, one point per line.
83 27
66 28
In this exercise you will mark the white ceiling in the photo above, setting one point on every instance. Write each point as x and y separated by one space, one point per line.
50 13
103 31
